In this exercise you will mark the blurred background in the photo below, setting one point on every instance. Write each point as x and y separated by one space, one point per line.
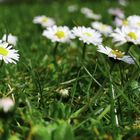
46 1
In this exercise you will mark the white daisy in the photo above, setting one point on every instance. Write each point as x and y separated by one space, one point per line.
87 35
120 22
116 12
90 14
115 54
102 28
93 16
6 104
134 21
44 21
7 54
86 10
58 34
11 39
72 8
64 92
123 2
126 34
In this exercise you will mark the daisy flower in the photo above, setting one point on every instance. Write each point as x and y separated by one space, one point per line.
116 12
90 14
11 39
120 22
115 54
102 28
87 35
58 34
64 92
44 21
134 21
93 16
123 2
7 54
6 104
126 34
72 8
86 10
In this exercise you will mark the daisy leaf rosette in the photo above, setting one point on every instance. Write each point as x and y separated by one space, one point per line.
124 35
102 28
87 35
7 53
58 34
11 39
44 21
115 54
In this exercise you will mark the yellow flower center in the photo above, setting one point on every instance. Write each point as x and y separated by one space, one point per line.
3 51
138 23
132 35
117 53
60 34
103 27
45 19
88 34
124 22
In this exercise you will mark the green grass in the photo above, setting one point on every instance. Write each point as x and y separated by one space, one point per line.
87 113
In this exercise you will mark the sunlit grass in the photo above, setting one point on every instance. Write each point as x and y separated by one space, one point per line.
88 112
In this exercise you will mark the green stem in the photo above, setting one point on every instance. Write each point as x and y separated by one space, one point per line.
119 104
128 47
6 37
84 51
40 88
114 116
113 111
1 63
55 49
6 131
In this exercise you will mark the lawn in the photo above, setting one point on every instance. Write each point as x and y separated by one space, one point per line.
37 82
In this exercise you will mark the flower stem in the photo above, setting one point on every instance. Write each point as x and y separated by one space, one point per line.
55 49
128 47
84 51
6 131
122 83
114 116
6 37
1 64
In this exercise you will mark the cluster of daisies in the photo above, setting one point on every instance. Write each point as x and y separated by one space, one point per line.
7 52
127 32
